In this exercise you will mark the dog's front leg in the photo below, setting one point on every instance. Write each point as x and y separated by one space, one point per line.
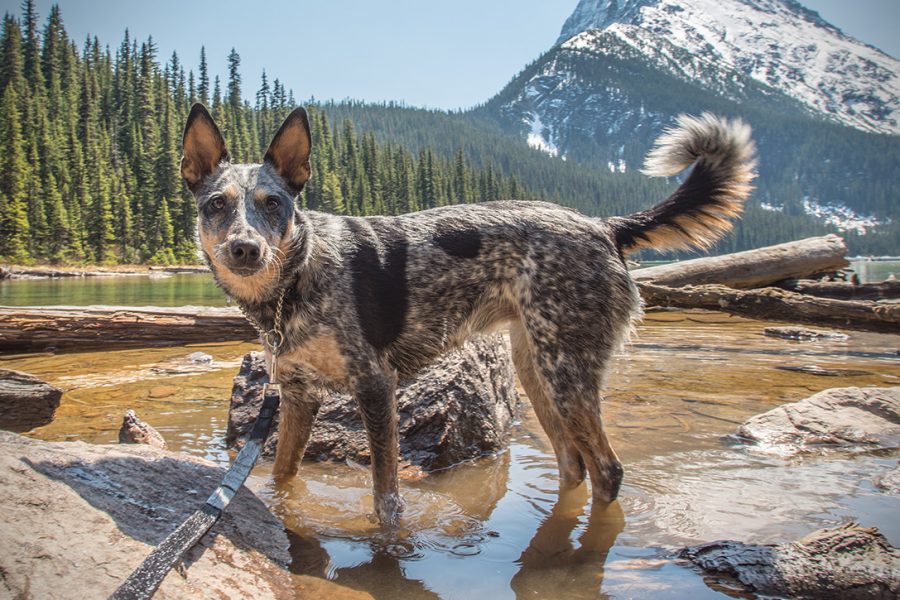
378 407
299 404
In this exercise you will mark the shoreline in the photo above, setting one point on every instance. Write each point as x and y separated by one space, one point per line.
66 271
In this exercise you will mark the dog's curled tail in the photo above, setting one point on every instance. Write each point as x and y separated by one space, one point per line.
701 210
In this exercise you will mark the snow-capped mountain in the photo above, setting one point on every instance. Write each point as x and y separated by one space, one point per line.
776 42
824 108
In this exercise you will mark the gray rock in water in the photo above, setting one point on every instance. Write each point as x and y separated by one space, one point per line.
199 358
847 563
458 409
889 483
76 519
136 431
792 332
26 402
840 416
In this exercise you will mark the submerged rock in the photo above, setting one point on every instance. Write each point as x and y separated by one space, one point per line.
838 416
889 483
460 408
792 332
136 431
847 562
823 372
26 402
76 519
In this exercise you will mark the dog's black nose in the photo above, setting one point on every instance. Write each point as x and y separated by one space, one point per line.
245 252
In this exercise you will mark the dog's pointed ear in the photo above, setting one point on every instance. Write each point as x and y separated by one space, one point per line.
289 151
203 145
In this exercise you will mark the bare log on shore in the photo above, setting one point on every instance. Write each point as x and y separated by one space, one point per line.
773 304
753 268
37 329
844 290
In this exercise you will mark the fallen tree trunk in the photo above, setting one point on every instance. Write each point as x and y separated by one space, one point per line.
753 268
38 329
773 304
844 290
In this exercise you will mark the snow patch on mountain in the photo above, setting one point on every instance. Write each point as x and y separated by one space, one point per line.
842 217
536 137
776 42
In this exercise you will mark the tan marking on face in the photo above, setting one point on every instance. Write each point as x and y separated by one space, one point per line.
252 288
231 192
260 195
321 354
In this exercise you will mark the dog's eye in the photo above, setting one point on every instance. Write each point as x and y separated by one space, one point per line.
273 203
217 202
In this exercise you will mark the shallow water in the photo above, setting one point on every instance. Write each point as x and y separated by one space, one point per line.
497 527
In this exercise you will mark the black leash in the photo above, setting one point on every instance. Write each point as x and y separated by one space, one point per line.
146 579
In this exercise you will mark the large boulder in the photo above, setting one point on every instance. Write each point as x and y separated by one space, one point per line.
846 563
26 402
460 408
866 417
76 519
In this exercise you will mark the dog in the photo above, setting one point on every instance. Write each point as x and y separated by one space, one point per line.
368 301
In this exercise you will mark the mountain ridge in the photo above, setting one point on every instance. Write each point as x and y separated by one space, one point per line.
777 42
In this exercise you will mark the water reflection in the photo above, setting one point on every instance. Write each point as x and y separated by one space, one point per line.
554 561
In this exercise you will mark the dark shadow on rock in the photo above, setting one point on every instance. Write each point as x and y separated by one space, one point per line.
552 563
148 497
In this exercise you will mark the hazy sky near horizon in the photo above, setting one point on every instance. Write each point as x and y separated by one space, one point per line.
435 54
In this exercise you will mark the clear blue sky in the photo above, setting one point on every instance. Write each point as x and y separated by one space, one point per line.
437 54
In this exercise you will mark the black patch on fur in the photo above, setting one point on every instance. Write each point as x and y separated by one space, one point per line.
379 283
459 241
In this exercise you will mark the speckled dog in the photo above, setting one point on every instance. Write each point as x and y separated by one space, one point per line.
372 300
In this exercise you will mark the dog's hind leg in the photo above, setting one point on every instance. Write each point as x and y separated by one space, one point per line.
378 408
299 405
571 466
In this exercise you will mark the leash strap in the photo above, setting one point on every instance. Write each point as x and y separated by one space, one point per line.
146 579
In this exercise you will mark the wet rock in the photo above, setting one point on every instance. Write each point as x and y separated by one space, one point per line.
839 416
804 333
460 408
889 483
26 402
191 364
847 562
199 358
136 431
76 519
4 273
823 372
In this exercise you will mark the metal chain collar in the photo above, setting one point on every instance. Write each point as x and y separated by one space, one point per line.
273 338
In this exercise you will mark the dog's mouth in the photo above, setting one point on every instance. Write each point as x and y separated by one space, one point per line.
245 270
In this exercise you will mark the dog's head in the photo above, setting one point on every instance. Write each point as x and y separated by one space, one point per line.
246 218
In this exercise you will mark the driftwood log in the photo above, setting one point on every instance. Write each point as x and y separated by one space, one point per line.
38 329
773 304
753 268
844 290
26 402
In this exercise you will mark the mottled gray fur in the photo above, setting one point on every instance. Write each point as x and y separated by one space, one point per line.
370 300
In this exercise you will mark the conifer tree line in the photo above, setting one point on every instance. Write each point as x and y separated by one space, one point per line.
90 143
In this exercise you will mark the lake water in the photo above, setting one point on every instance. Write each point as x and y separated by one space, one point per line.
497 527
198 288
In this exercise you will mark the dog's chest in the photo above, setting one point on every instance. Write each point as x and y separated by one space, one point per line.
320 355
